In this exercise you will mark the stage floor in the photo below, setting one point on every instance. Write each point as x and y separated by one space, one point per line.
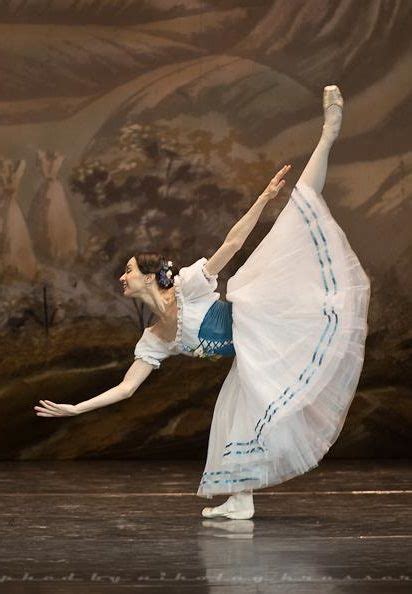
114 526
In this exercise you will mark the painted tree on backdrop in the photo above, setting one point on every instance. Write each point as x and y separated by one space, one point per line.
148 190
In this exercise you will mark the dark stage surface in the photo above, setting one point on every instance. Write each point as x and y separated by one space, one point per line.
115 526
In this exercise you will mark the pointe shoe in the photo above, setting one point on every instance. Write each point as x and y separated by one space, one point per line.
332 117
332 96
230 510
210 512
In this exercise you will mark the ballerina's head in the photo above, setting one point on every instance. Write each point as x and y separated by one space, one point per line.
147 272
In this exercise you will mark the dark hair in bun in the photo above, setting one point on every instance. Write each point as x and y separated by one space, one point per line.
152 262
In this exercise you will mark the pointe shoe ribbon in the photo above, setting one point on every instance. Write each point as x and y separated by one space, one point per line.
332 96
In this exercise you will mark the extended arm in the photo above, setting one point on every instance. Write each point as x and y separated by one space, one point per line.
239 232
135 375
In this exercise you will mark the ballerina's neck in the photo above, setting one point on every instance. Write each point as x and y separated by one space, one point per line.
166 329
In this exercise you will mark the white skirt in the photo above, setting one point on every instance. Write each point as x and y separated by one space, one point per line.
300 305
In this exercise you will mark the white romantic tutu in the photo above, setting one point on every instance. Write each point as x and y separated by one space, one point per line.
300 305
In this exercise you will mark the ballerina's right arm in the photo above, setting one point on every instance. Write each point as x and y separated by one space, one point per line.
135 375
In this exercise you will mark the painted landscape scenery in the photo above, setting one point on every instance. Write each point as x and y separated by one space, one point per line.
154 125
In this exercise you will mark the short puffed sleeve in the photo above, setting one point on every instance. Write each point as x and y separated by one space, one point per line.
151 349
195 282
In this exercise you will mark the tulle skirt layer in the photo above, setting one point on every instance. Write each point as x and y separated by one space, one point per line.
300 305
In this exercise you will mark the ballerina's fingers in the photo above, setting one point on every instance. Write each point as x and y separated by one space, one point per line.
49 404
43 412
48 412
275 185
49 409
282 172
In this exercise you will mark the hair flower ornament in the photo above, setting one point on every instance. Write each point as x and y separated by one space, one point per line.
165 273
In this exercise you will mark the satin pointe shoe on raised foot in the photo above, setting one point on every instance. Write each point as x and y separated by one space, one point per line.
332 96
332 110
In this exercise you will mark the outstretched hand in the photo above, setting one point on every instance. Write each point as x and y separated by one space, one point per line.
276 183
51 409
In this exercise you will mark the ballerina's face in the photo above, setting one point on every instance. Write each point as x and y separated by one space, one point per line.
132 280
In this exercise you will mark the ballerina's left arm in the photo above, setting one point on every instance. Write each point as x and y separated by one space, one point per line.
239 232
135 375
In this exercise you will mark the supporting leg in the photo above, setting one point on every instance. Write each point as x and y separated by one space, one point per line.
314 174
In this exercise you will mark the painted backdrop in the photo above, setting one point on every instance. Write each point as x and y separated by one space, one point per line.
155 124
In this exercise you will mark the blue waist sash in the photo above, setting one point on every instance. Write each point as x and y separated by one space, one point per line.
215 332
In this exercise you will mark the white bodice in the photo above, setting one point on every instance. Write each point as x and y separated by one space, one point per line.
195 293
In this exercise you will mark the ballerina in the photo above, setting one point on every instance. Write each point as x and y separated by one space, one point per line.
294 319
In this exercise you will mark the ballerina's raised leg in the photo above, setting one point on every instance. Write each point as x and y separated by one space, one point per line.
314 174
240 505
